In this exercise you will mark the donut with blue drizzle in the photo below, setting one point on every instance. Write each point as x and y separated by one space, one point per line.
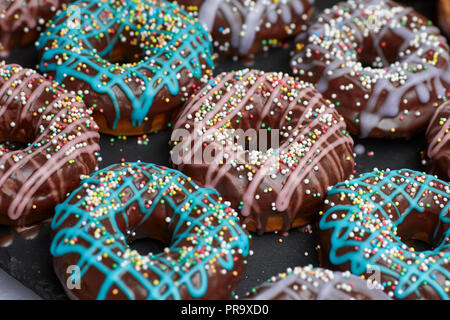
207 247
368 223
136 62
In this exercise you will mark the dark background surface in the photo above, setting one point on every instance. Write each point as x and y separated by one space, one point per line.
29 261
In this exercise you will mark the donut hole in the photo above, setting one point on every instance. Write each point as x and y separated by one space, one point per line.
147 246
126 55
120 54
152 235
378 55
13 145
382 43
119 45
16 136
419 245
126 59
421 230
122 47
257 140
259 134
377 63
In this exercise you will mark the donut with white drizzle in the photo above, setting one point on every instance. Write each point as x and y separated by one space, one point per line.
61 145
274 188
438 137
22 20
368 224
382 64
310 283
246 27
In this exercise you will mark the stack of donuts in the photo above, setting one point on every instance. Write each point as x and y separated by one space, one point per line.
251 151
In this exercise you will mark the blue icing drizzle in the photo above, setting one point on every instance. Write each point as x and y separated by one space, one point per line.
98 203
165 62
373 247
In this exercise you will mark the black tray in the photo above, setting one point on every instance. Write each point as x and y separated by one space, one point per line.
29 261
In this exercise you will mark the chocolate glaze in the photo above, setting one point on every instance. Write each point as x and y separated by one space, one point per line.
368 223
6 239
438 137
288 182
206 247
28 232
32 231
309 283
22 20
62 145
248 27
383 64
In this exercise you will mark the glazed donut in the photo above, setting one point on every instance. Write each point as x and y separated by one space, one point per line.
309 283
367 225
167 54
22 20
246 27
383 65
207 249
444 16
438 137
278 186
61 144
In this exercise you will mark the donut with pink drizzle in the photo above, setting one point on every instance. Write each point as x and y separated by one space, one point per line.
248 27
269 144
382 64
438 137
22 20
60 145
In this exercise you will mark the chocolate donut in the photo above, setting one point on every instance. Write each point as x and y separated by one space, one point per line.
368 223
136 62
207 248
438 137
309 283
444 16
22 20
247 27
270 145
61 144
383 65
